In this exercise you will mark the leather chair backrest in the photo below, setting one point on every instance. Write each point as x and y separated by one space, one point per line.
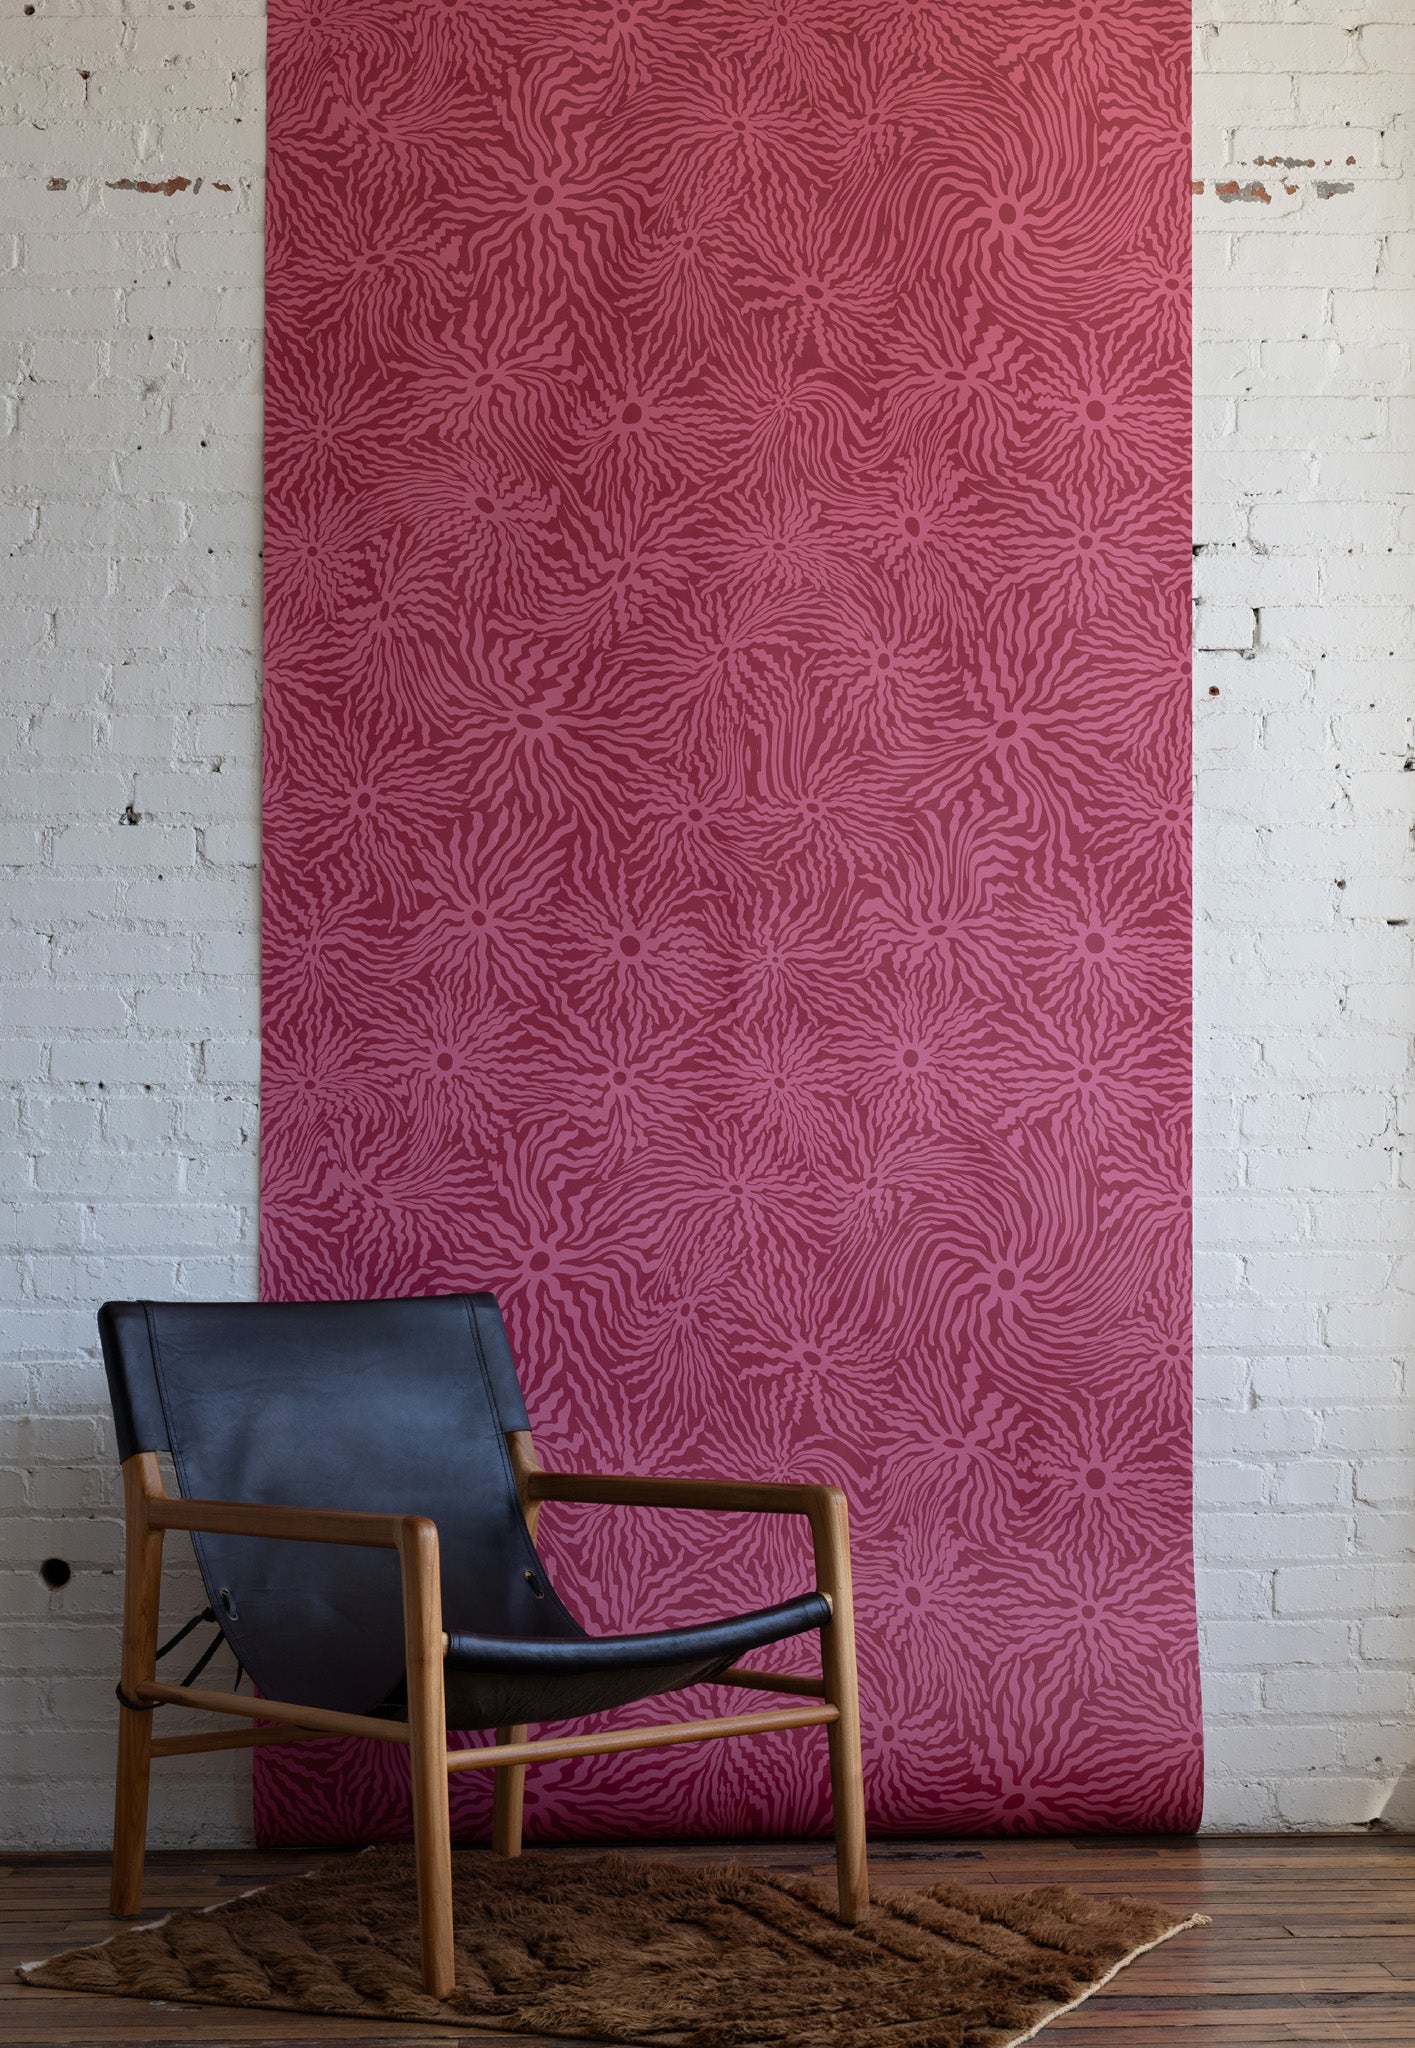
390 1406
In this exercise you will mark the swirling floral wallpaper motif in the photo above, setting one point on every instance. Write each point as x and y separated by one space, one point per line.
726 830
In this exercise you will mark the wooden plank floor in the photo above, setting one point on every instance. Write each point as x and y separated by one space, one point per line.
1313 1939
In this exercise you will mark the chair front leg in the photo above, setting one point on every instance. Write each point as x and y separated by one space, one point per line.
427 1742
509 1798
142 1595
830 1528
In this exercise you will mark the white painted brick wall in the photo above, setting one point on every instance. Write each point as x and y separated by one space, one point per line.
129 524
1304 216
130 528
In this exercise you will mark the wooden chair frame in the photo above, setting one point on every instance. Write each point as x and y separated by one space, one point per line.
831 1701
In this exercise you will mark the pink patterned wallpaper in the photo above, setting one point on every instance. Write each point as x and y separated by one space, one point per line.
726 831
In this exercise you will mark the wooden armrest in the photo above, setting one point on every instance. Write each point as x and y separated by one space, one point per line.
824 1507
300 1525
739 1496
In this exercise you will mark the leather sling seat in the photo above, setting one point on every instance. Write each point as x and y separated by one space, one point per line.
396 1407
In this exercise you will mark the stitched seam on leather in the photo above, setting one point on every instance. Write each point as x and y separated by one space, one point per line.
514 1492
208 1576
472 1300
160 1377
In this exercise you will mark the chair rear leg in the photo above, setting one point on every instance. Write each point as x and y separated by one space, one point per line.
142 1593
508 1802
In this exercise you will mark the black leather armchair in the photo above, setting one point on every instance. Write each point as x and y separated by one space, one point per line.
362 1491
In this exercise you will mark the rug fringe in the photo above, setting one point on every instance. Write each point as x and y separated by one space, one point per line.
147 1926
1059 2011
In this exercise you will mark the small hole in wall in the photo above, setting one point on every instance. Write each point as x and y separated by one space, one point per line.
56 1572
1213 689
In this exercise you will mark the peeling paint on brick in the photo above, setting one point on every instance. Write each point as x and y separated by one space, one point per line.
1230 190
1327 188
168 186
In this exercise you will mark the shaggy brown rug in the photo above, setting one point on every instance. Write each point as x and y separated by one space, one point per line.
615 1948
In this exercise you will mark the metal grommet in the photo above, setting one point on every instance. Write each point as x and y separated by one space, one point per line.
535 1585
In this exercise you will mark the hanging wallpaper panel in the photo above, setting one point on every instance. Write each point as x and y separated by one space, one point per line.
726 834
